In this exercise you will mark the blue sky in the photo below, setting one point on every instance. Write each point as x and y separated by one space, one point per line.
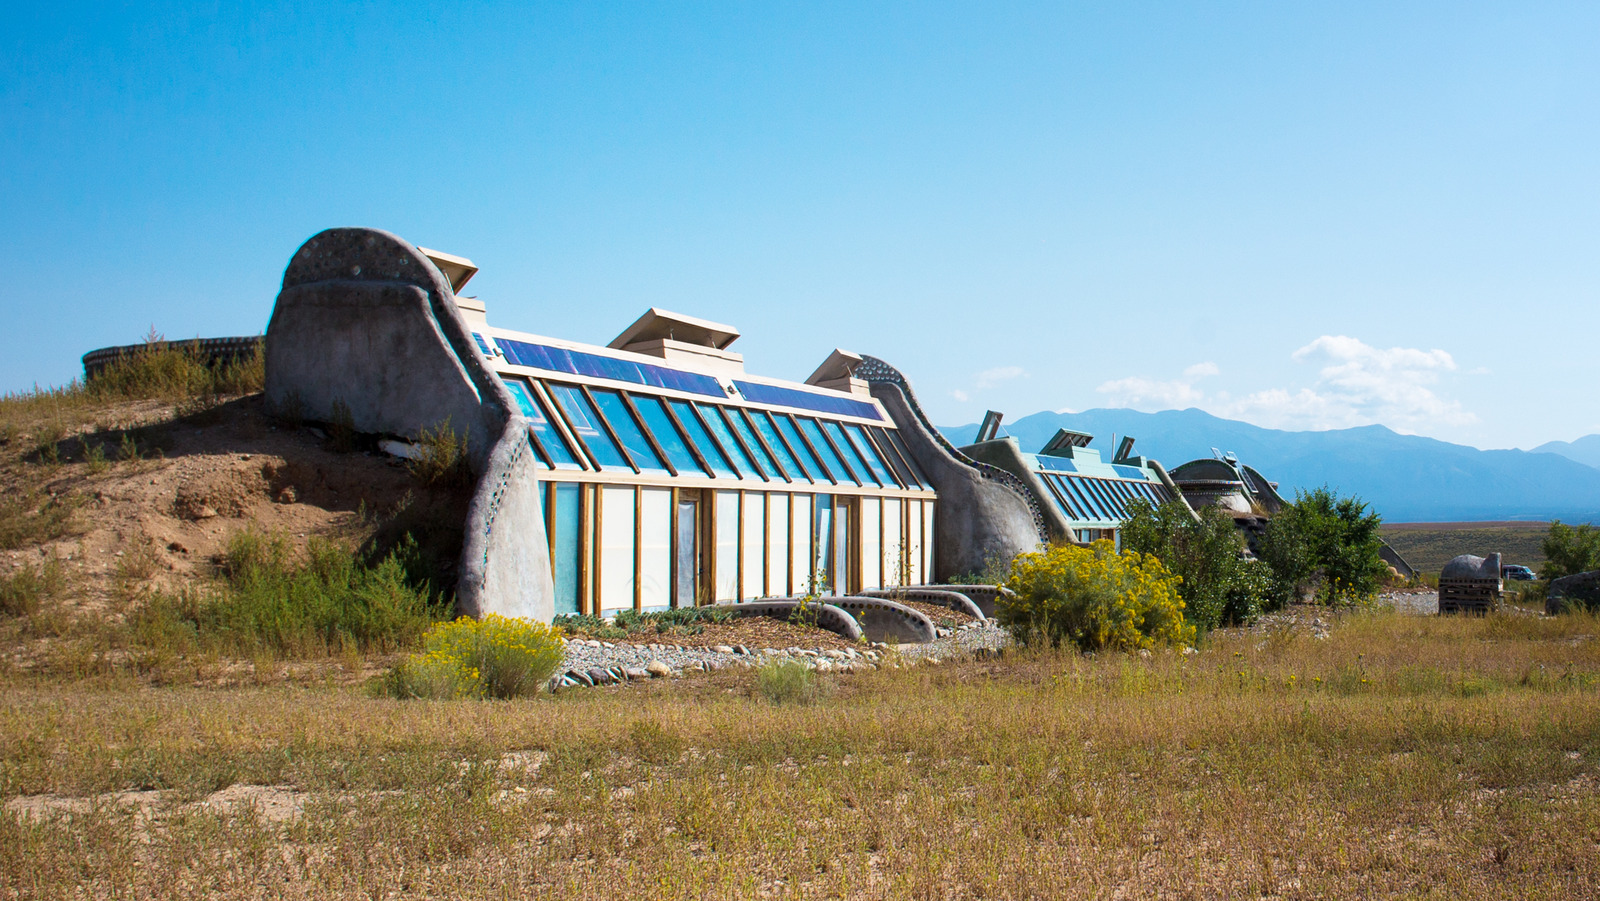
1303 217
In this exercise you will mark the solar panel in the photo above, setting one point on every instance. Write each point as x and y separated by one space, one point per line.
481 345
577 362
1059 464
805 400
1129 472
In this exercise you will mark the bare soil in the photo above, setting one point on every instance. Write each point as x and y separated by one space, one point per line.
754 632
165 519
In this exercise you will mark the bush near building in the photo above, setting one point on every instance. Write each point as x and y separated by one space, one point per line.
1221 586
493 657
1570 550
1326 545
1093 598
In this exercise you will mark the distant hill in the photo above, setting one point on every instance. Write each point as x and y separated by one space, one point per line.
1585 450
1406 478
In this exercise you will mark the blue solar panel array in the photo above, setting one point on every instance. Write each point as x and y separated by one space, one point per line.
1129 472
805 400
560 359
481 345
1060 464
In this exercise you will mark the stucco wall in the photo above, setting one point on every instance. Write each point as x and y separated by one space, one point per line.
364 319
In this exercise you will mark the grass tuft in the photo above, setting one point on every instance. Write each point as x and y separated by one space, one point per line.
788 682
23 590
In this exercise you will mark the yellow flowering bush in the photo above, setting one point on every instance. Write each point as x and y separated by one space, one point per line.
1094 598
492 657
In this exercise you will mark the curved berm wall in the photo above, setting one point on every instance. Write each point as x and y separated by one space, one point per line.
366 321
985 514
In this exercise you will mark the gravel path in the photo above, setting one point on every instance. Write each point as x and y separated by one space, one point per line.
591 662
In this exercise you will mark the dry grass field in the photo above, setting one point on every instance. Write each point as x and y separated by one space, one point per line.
1400 757
1428 546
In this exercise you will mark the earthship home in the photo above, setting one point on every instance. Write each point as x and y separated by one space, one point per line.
650 473
1083 498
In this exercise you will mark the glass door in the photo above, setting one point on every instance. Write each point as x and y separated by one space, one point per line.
686 555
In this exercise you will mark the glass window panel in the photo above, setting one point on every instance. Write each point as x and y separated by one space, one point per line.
1087 505
800 545
778 545
655 548
894 548
753 551
616 548
742 428
822 535
719 428
770 433
914 542
727 550
666 435
869 453
1062 498
808 460
905 454
703 440
871 545
853 456
813 431
586 424
887 452
564 559
627 429
1106 506
927 541
543 430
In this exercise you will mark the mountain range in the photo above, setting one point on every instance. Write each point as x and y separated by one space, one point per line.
1406 478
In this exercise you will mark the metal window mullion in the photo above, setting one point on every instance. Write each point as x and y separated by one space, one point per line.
897 462
606 424
826 472
755 459
688 442
644 429
558 417
711 434
799 459
776 461
905 454
873 443
844 458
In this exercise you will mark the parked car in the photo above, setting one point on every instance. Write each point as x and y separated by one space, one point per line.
1518 573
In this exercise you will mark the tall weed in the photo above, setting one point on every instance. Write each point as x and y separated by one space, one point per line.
268 601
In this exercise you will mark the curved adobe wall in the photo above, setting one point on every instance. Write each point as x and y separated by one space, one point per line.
1007 455
366 320
984 514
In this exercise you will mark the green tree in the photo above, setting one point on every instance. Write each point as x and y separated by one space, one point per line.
1571 550
1221 585
1324 542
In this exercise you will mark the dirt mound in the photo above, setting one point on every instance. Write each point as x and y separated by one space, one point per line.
158 492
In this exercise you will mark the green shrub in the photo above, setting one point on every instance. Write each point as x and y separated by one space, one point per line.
1220 585
175 370
21 592
26 520
680 621
492 657
333 600
1569 550
1093 598
1326 543
441 458
787 682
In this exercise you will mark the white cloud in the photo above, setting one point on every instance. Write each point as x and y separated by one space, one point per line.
1359 384
958 394
1356 384
992 377
1140 392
